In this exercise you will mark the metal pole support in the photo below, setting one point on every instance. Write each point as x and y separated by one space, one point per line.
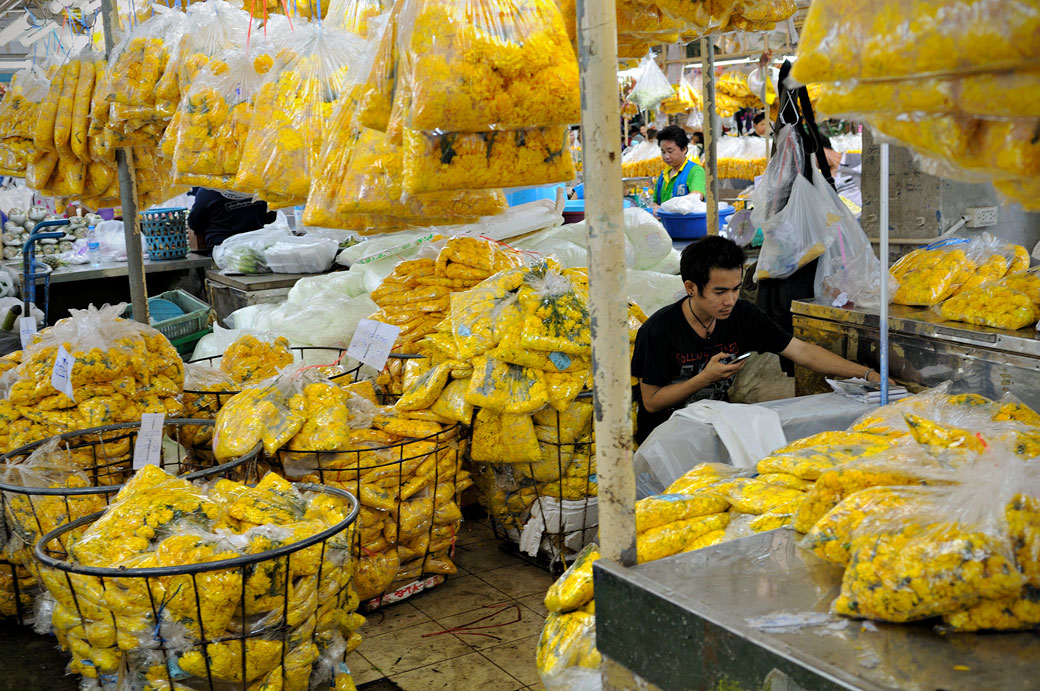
883 251
710 131
128 195
608 290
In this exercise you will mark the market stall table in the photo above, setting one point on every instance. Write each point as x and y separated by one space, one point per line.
926 350
230 293
754 613
108 281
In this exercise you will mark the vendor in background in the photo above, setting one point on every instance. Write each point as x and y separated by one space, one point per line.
760 126
679 351
682 175
217 215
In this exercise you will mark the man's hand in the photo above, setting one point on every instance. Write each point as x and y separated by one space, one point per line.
716 370
875 378
763 60
833 160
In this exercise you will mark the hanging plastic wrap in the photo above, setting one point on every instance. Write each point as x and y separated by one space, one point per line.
475 65
904 38
355 16
293 112
212 123
137 65
209 29
19 111
799 233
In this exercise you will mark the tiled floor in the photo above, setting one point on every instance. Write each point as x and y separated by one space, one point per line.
478 630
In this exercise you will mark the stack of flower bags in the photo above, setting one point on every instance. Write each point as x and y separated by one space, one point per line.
908 467
405 467
954 80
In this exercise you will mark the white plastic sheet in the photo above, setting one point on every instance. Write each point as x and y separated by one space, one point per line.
577 518
652 290
301 255
348 283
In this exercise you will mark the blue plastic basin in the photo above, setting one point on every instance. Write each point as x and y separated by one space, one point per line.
687 226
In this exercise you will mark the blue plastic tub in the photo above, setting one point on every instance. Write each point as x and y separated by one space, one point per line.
688 226
533 194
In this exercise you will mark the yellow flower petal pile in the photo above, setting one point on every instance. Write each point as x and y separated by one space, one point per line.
741 168
122 369
15 600
306 599
249 359
992 305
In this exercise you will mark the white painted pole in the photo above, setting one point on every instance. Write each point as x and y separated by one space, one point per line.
608 290
711 132
883 213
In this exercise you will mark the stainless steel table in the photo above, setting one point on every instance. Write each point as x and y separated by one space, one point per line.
713 619
925 349
85 272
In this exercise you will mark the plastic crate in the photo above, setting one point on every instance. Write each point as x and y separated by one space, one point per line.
186 345
166 232
194 319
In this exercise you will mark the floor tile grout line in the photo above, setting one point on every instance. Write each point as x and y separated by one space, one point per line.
428 664
504 671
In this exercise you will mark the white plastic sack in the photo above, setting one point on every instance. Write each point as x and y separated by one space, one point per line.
651 87
652 291
798 234
650 242
686 204
394 246
747 432
329 320
348 283
214 344
6 303
256 317
244 253
7 283
301 255
577 520
774 189
112 240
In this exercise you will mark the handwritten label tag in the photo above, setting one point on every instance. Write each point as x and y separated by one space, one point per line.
148 447
26 329
560 360
61 375
373 342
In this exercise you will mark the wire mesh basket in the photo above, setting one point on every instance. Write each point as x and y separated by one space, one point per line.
547 508
213 616
409 515
47 483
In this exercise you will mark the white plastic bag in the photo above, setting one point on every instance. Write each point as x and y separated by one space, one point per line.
244 253
849 266
772 193
301 255
349 283
798 234
650 241
652 87
686 204
652 290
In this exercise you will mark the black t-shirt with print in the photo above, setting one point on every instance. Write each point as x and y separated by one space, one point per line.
669 351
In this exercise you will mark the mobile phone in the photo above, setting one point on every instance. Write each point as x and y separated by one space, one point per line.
734 359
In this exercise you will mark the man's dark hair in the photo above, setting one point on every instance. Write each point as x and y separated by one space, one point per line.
705 254
759 118
651 133
698 138
674 133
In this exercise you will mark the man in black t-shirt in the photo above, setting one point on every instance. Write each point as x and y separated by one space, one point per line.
218 214
679 351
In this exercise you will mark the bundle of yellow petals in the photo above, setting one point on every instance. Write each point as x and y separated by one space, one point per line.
121 369
19 111
305 600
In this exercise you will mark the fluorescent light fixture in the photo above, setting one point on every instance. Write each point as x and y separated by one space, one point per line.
14 65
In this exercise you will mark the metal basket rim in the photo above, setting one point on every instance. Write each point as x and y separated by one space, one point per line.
111 489
229 392
456 427
188 569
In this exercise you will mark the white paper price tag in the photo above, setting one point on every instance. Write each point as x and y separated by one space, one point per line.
148 448
373 342
26 329
61 375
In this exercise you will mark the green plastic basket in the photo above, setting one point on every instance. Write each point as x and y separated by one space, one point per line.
166 232
194 319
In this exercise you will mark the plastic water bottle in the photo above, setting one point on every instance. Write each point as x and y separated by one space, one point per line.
93 247
644 198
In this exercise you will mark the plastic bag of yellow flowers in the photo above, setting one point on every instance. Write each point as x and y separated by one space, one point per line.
992 305
18 113
121 369
208 29
208 132
293 112
262 619
842 40
946 550
362 183
137 65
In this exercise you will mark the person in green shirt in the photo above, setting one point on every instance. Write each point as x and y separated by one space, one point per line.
682 176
